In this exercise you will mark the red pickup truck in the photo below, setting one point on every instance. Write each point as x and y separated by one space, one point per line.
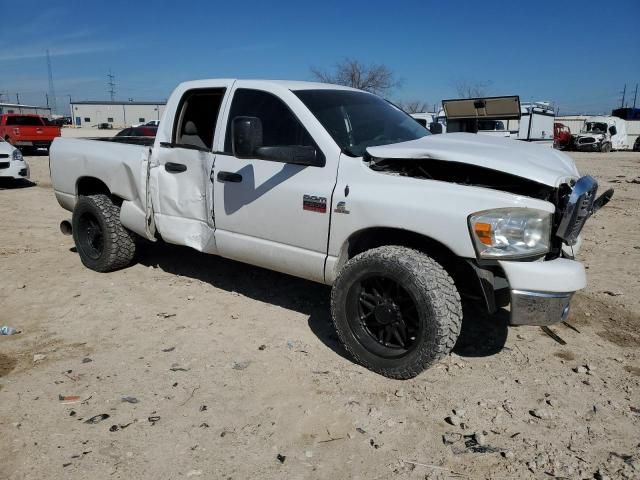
27 132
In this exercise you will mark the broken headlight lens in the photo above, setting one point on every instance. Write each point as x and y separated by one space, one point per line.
510 232
17 155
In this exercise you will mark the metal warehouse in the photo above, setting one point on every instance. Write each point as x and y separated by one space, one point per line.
19 108
117 114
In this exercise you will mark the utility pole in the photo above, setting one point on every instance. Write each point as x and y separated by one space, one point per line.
634 96
112 85
18 98
624 92
52 91
71 111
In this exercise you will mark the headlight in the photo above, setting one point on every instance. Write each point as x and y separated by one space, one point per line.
510 232
17 155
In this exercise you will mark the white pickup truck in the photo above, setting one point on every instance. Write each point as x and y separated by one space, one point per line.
339 186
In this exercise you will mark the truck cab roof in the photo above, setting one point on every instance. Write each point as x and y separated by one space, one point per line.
257 83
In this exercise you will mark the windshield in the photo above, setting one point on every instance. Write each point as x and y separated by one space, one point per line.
357 120
595 127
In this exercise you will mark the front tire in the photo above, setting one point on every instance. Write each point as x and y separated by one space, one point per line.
102 242
396 311
606 147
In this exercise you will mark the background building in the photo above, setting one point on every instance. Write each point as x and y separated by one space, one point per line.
19 108
117 114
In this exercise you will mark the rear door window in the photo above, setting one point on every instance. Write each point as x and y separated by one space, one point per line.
197 117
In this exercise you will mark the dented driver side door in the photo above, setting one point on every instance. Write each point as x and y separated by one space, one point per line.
268 213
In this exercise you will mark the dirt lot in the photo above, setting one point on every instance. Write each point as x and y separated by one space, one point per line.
237 373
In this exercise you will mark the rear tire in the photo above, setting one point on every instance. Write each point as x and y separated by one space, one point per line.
396 311
102 242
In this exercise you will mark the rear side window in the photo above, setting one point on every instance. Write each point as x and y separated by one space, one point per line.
197 118
280 127
25 121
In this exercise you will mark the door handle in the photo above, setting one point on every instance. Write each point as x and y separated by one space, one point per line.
175 167
229 177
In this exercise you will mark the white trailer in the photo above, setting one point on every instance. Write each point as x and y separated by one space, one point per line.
498 117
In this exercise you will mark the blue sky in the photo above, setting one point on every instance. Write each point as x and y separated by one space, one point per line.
576 54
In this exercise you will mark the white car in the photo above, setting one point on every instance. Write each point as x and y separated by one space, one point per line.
340 187
12 163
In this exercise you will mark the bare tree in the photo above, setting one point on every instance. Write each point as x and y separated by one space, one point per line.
471 89
374 78
413 106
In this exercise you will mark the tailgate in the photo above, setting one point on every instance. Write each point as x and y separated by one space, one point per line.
35 132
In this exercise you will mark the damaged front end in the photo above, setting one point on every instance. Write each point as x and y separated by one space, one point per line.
574 200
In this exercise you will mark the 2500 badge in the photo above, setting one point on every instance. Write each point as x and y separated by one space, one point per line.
314 204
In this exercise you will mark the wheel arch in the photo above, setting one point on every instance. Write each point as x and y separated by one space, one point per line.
462 273
89 185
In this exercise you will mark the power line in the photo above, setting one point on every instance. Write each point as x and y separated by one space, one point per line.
112 85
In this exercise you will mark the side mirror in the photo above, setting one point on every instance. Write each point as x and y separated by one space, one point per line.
246 135
435 128
613 130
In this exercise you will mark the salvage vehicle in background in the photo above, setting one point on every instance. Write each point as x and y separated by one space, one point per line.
602 134
338 186
562 138
27 132
12 163
636 145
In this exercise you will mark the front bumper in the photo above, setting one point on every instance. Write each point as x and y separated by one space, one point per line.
16 170
541 292
539 308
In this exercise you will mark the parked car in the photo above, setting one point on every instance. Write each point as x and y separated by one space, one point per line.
12 163
636 145
138 132
338 186
27 132
561 136
150 123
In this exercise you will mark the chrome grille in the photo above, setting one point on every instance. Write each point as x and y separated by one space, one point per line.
578 209
586 140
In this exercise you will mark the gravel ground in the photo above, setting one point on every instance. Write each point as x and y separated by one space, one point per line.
235 372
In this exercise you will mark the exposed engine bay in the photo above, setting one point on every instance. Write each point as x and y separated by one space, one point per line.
464 174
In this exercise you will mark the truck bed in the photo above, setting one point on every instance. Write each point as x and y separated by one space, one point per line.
122 165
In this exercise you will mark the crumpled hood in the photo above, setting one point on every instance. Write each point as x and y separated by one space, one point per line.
539 163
